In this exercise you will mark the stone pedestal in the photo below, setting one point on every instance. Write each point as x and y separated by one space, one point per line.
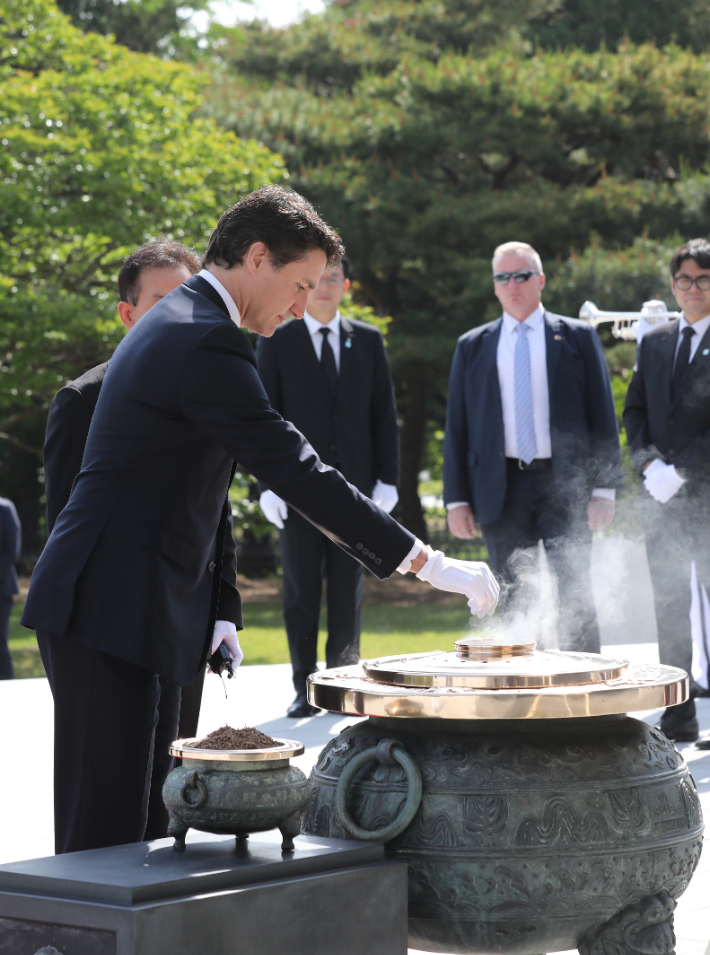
216 898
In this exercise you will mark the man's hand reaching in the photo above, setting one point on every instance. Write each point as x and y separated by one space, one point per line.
471 578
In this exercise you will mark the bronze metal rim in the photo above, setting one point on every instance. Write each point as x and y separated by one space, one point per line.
545 668
287 749
348 690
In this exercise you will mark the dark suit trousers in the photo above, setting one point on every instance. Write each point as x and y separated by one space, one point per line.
307 556
677 533
6 669
105 718
534 510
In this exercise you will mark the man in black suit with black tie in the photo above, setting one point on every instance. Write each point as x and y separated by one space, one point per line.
10 541
330 377
130 585
148 275
532 446
667 420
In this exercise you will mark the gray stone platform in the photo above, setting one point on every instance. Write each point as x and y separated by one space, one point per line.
146 899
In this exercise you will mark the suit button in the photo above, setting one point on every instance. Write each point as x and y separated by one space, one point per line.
371 556
671 423
211 566
334 447
378 560
365 552
358 546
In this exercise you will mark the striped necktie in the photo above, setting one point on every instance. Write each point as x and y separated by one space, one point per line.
524 422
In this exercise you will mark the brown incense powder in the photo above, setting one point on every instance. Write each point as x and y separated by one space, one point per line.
226 737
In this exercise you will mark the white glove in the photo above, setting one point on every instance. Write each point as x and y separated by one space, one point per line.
385 496
275 510
662 481
469 577
225 632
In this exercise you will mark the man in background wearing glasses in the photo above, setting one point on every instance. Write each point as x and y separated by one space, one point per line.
667 420
532 447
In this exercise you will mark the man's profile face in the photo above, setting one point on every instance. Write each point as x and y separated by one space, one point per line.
518 299
155 283
694 302
277 294
330 291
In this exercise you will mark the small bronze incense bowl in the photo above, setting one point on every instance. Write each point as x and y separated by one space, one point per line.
235 791
534 815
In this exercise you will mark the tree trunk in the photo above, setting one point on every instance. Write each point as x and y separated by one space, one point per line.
410 512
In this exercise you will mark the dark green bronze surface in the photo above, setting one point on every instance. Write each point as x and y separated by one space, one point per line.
530 834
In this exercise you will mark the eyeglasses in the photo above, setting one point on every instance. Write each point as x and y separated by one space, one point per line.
684 282
331 280
522 275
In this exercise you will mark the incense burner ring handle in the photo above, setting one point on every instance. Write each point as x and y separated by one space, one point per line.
388 752
193 783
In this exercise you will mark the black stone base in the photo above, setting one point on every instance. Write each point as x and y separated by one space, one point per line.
327 896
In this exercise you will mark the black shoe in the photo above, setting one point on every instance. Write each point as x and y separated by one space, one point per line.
301 707
678 729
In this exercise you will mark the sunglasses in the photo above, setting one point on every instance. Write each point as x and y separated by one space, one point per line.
685 283
522 275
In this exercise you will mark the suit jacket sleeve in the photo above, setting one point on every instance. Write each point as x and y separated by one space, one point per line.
385 433
67 427
604 426
221 392
230 603
636 424
10 539
456 485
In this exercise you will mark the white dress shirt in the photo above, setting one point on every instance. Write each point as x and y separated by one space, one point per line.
314 327
505 358
224 294
699 328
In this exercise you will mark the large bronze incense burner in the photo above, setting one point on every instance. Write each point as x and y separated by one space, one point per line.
534 815
235 792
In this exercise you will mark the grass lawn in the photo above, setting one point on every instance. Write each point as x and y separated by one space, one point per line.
387 629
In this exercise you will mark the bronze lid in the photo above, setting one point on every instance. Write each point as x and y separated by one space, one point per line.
286 749
497 678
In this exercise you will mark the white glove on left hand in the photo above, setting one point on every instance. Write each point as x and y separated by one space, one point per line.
275 510
662 481
469 577
385 496
225 632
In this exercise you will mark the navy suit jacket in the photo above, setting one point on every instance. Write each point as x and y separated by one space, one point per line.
10 542
583 427
357 433
128 568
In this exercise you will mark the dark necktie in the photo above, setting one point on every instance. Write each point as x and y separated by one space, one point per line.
327 361
682 361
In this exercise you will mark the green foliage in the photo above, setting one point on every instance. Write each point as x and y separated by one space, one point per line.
146 26
592 24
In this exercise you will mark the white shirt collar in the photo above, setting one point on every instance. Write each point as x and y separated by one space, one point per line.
534 320
699 327
224 295
314 326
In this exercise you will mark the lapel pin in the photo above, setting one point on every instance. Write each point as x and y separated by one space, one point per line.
558 338
349 344
706 351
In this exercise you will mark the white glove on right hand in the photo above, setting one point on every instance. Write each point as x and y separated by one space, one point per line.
472 578
275 510
662 481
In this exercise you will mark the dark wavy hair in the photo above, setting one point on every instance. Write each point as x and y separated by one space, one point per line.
158 254
697 249
285 222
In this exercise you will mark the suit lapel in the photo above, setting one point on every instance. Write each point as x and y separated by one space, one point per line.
700 361
347 355
312 365
553 346
198 284
489 360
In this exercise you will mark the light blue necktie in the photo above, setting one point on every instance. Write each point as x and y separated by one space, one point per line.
524 422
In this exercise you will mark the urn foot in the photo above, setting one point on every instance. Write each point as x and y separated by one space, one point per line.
178 830
642 929
290 827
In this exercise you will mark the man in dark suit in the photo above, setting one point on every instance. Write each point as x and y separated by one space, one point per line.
148 275
10 542
532 448
130 584
330 377
667 420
